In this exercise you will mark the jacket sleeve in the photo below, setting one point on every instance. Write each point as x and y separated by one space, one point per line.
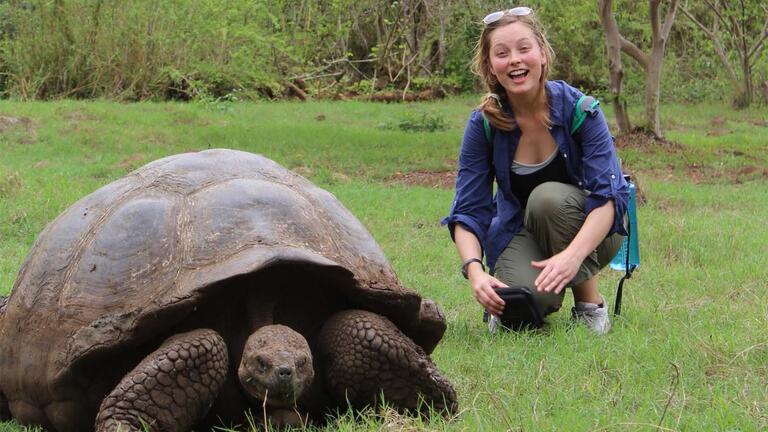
473 203
602 174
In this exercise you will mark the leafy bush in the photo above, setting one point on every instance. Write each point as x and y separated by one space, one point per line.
141 49
202 49
417 122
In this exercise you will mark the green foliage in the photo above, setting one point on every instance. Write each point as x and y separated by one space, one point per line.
465 29
410 121
578 41
739 28
140 50
201 49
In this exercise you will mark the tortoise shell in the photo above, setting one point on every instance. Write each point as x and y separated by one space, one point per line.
134 258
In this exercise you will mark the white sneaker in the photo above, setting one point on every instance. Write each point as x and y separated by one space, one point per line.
595 317
494 324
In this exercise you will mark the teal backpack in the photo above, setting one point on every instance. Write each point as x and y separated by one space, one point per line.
585 105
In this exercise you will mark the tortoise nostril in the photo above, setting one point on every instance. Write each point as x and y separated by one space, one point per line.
284 372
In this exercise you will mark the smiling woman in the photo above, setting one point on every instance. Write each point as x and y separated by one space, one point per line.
557 217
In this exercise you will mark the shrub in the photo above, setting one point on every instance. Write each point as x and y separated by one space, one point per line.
417 122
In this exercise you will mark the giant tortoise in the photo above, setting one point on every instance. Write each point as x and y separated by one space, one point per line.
203 284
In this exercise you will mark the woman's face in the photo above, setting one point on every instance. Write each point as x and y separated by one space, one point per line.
516 58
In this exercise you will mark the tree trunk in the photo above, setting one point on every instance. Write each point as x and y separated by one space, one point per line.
659 36
441 45
764 90
615 68
746 73
653 91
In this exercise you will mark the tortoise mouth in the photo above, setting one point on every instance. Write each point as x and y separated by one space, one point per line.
272 390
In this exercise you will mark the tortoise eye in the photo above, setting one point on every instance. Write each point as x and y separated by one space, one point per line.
261 363
301 362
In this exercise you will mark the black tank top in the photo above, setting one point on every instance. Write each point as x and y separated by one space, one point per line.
523 185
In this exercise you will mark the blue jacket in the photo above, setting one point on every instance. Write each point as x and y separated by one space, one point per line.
590 159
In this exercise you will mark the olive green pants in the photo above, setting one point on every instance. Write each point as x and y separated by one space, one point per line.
554 215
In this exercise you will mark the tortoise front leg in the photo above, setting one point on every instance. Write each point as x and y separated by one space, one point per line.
171 389
365 355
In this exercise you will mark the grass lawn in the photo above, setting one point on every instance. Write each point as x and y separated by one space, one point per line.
689 353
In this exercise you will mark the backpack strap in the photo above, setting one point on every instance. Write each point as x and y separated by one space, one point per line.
585 105
487 129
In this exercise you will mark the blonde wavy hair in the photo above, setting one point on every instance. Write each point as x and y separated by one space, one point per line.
492 103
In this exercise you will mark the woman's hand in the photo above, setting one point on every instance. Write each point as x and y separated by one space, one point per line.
556 271
483 286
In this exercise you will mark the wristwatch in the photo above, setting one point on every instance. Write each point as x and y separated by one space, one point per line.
466 264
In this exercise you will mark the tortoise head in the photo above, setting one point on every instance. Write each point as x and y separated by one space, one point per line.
276 366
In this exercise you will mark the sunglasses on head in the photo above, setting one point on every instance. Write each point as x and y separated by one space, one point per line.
516 11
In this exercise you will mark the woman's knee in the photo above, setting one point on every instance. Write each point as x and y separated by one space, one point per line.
548 199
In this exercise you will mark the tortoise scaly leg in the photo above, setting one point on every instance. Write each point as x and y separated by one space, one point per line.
171 389
365 355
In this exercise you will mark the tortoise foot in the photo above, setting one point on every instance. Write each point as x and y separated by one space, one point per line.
171 389
365 356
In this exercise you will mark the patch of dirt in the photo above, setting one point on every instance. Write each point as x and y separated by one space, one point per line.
717 126
78 116
10 184
700 174
303 171
189 119
20 129
340 177
78 128
748 173
736 153
643 140
9 122
393 96
762 123
307 172
131 162
432 179
663 205
42 164
708 175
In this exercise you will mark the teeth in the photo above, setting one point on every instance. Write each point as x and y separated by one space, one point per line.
517 74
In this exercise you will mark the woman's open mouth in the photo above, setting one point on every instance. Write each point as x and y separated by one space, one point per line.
518 75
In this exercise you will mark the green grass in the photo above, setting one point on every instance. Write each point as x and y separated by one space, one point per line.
689 353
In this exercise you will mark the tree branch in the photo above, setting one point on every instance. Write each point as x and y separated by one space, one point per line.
633 51
716 9
759 44
716 43
654 12
735 27
669 19
697 22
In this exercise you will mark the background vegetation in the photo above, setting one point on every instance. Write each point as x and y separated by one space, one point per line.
197 49
689 353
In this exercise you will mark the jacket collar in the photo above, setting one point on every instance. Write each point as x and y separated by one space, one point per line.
555 98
